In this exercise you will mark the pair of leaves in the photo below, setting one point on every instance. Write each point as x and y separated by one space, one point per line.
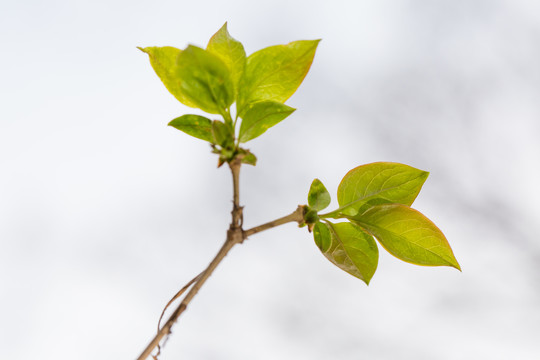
212 79
376 199
215 132
196 77
258 118
199 78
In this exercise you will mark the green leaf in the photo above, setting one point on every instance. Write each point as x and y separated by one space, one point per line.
249 158
230 51
205 80
408 235
379 183
348 247
318 196
322 236
274 73
221 134
163 60
261 116
194 125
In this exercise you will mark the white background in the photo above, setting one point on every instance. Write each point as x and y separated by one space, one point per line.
105 211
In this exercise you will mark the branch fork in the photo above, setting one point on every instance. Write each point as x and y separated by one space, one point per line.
235 235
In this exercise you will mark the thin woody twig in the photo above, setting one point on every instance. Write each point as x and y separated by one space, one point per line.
296 216
235 235
166 329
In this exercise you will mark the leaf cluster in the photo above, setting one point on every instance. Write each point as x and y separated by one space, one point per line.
247 92
374 200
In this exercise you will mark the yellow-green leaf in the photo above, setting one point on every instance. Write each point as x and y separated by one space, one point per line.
408 235
379 183
230 51
318 196
194 125
261 116
348 247
221 133
163 61
249 158
205 80
274 73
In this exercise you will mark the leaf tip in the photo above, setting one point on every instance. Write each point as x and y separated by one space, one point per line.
316 42
452 261
142 49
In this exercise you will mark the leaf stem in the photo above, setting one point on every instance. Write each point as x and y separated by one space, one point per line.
234 122
336 214
227 117
332 214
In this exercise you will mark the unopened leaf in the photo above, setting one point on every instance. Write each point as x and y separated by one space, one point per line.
194 125
274 73
250 159
221 133
318 196
205 80
408 235
163 60
230 51
348 247
322 236
379 183
261 116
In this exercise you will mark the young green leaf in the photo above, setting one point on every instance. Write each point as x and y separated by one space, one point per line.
348 247
408 235
163 60
221 134
249 158
261 116
274 73
230 51
194 125
205 80
318 196
378 183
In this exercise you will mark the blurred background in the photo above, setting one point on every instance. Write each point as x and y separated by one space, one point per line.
105 212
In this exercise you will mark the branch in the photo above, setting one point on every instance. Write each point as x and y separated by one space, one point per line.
296 216
237 216
166 329
235 235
